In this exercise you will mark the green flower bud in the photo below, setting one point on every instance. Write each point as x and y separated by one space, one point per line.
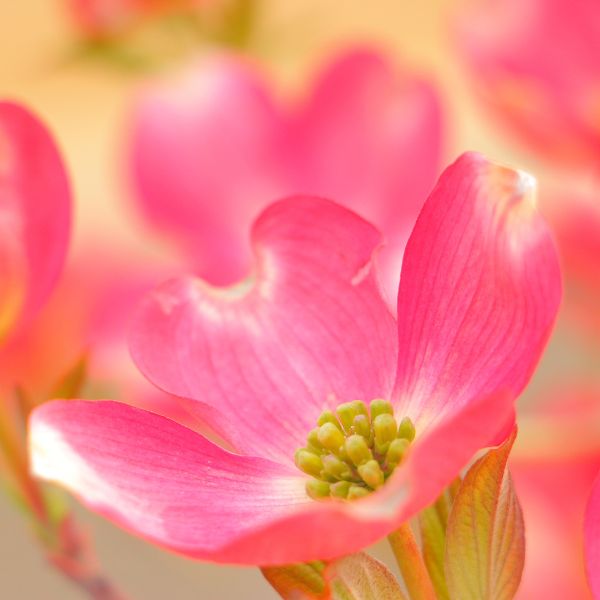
317 489
312 441
371 474
336 467
328 417
357 450
361 408
340 489
362 426
331 437
357 491
406 429
346 413
308 462
396 453
380 407
385 429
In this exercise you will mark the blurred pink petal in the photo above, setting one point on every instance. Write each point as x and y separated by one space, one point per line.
537 64
576 221
479 290
554 463
553 492
204 148
35 215
90 305
89 310
592 538
211 149
369 136
569 410
307 330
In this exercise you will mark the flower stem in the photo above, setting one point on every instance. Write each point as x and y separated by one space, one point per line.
411 564
73 556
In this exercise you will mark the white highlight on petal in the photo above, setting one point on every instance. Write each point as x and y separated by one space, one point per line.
53 459
527 186
361 274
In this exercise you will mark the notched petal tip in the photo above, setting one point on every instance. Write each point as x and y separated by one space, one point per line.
518 186
527 185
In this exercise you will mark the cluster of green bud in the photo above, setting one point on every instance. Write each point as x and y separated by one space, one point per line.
354 450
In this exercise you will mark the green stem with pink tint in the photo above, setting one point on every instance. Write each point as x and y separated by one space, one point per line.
410 561
68 550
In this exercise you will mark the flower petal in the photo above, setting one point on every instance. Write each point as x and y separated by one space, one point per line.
35 206
203 146
536 65
592 539
553 492
370 136
575 219
308 330
156 477
173 487
213 147
479 290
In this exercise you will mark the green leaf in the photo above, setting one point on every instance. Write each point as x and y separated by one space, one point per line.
485 538
433 540
433 522
361 577
297 582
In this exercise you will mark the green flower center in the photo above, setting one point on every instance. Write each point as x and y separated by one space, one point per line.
352 452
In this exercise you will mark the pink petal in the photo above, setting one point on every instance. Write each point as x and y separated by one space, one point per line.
576 222
536 65
592 539
88 313
173 487
212 148
369 136
35 207
157 478
479 290
307 330
203 147
553 493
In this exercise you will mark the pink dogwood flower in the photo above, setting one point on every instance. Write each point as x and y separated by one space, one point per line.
309 331
537 65
35 218
51 315
213 146
35 215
